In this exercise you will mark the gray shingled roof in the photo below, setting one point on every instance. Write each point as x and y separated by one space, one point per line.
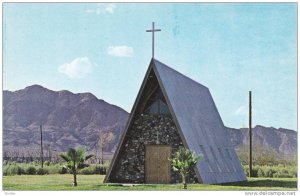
201 126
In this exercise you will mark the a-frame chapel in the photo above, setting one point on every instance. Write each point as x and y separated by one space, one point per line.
172 110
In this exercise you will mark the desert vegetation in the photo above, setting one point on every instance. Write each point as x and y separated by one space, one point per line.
14 168
54 176
268 163
34 168
272 171
183 162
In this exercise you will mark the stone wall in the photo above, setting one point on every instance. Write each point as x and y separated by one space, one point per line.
145 129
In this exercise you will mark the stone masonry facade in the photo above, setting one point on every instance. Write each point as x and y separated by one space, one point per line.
146 130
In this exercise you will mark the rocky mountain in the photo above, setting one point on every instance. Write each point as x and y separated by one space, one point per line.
281 140
67 119
71 120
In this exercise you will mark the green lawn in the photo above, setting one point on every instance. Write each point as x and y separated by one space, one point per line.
94 182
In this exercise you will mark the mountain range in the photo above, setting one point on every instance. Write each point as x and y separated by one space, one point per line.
67 119
72 120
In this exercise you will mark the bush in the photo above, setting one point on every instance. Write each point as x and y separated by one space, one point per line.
260 173
20 170
35 163
254 171
292 171
94 169
278 171
5 170
62 170
47 163
87 171
31 170
100 169
13 170
42 171
53 169
10 170
267 171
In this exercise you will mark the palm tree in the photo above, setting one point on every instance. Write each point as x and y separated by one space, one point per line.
183 161
75 160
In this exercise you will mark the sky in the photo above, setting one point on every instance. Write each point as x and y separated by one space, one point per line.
103 48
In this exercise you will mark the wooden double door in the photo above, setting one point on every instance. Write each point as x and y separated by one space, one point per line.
157 164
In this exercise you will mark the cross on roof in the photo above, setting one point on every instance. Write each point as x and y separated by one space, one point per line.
153 30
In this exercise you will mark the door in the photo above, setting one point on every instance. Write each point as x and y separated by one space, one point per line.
157 165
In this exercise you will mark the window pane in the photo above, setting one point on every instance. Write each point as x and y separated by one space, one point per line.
156 104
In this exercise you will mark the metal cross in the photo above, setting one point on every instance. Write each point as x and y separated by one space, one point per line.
153 30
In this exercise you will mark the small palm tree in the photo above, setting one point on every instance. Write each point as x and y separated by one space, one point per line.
183 161
75 160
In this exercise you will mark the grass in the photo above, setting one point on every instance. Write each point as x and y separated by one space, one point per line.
94 182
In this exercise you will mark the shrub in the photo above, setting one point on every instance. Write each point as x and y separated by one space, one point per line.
246 170
53 169
47 163
13 170
283 173
42 171
20 170
10 170
278 171
62 170
5 170
87 171
267 171
31 170
292 172
260 173
100 169
94 169
254 171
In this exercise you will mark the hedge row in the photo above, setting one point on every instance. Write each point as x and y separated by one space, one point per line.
94 169
278 171
35 169
18 170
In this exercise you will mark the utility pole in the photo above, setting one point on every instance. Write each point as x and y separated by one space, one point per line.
250 134
49 152
101 145
42 155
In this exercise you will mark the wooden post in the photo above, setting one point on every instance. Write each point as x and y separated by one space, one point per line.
101 145
250 134
42 155
49 152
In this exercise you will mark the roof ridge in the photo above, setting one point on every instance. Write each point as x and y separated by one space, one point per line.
177 72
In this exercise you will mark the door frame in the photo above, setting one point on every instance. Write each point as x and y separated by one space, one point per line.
145 165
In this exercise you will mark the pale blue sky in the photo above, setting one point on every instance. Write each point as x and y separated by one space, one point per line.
104 49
